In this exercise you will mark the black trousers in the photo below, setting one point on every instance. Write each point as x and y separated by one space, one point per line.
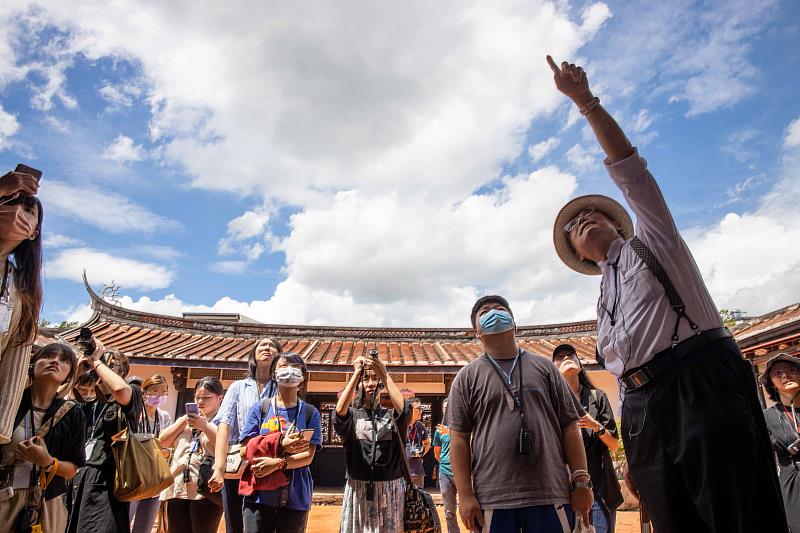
193 516
265 519
233 507
94 508
698 447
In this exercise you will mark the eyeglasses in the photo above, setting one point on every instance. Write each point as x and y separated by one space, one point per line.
156 394
788 372
574 220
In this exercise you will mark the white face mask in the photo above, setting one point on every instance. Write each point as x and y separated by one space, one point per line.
289 376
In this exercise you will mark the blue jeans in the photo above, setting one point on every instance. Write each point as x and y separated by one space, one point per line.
448 489
599 521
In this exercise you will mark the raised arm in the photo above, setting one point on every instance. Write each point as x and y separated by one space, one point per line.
572 81
346 398
398 402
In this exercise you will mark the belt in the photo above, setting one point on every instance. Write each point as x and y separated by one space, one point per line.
642 375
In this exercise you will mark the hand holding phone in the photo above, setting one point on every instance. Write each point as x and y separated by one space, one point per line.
308 434
192 409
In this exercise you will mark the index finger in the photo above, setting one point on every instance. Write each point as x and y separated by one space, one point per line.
553 65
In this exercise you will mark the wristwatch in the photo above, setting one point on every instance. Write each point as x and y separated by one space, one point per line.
601 432
582 484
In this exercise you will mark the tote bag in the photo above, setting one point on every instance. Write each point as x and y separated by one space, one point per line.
141 470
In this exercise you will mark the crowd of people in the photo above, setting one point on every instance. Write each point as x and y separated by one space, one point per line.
525 442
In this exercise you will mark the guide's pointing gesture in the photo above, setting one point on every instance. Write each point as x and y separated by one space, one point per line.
571 80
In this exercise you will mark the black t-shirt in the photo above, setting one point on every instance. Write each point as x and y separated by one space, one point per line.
356 431
782 425
64 440
103 423
598 457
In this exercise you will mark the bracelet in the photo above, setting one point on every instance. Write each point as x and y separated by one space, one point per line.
284 463
589 107
578 473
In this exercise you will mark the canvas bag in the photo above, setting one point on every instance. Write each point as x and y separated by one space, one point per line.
419 514
141 471
235 463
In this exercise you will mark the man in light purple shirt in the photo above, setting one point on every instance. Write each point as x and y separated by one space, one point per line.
695 438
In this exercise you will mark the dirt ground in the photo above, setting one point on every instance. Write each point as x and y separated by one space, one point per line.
325 519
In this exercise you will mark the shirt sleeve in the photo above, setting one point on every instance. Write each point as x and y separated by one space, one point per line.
437 438
459 414
133 411
567 407
316 425
227 411
252 426
653 218
74 451
343 425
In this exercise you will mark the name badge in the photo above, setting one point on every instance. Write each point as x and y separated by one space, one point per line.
6 309
90 448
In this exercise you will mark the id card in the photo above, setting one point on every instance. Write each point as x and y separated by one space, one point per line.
90 448
6 309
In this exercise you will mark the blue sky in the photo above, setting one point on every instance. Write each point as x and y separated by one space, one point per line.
368 164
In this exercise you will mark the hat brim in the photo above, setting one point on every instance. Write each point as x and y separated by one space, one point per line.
608 206
764 378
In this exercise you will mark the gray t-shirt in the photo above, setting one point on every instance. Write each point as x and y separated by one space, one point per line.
479 404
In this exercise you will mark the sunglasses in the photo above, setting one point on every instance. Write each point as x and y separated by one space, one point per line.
580 216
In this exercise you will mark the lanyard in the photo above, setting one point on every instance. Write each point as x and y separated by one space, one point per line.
278 416
612 314
792 419
517 396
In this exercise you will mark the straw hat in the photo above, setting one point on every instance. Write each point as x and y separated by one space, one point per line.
605 205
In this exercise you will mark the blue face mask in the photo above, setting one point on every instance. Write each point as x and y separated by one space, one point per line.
496 321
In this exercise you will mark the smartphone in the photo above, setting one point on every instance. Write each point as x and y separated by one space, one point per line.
307 434
25 169
192 409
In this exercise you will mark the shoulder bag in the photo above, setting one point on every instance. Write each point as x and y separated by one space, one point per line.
141 470
419 515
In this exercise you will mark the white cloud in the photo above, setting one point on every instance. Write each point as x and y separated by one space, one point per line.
241 232
55 240
123 150
105 268
581 158
105 210
8 128
230 267
743 145
539 150
792 139
594 16
120 95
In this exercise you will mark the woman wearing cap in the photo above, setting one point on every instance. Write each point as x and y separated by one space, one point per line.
600 436
781 380
155 390
21 288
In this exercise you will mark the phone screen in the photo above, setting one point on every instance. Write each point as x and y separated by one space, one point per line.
191 408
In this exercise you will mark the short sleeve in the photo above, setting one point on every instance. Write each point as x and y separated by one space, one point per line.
425 434
437 438
566 406
227 411
252 424
316 425
343 425
135 407
459 413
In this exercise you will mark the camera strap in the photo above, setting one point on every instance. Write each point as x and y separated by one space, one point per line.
506 379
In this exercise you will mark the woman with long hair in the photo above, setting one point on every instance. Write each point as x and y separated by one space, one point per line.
58 453
781 380
284 509
21 217
241 396
600 437
374 495
155 390
94 508
190 507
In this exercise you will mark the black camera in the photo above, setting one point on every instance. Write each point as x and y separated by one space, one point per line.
373 353
86 342
794 448
525 442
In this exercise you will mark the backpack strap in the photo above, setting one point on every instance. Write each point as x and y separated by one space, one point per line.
675 301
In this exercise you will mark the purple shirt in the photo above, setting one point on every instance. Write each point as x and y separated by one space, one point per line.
644 320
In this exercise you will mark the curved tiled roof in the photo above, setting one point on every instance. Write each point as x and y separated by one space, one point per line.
197 342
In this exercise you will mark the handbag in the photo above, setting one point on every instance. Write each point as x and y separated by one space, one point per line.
235 463
141 470
419 513
204 473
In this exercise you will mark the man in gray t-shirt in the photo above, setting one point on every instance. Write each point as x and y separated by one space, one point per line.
516 450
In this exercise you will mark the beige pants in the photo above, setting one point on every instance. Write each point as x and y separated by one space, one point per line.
53 516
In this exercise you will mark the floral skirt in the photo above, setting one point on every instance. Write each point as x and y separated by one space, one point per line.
384 514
